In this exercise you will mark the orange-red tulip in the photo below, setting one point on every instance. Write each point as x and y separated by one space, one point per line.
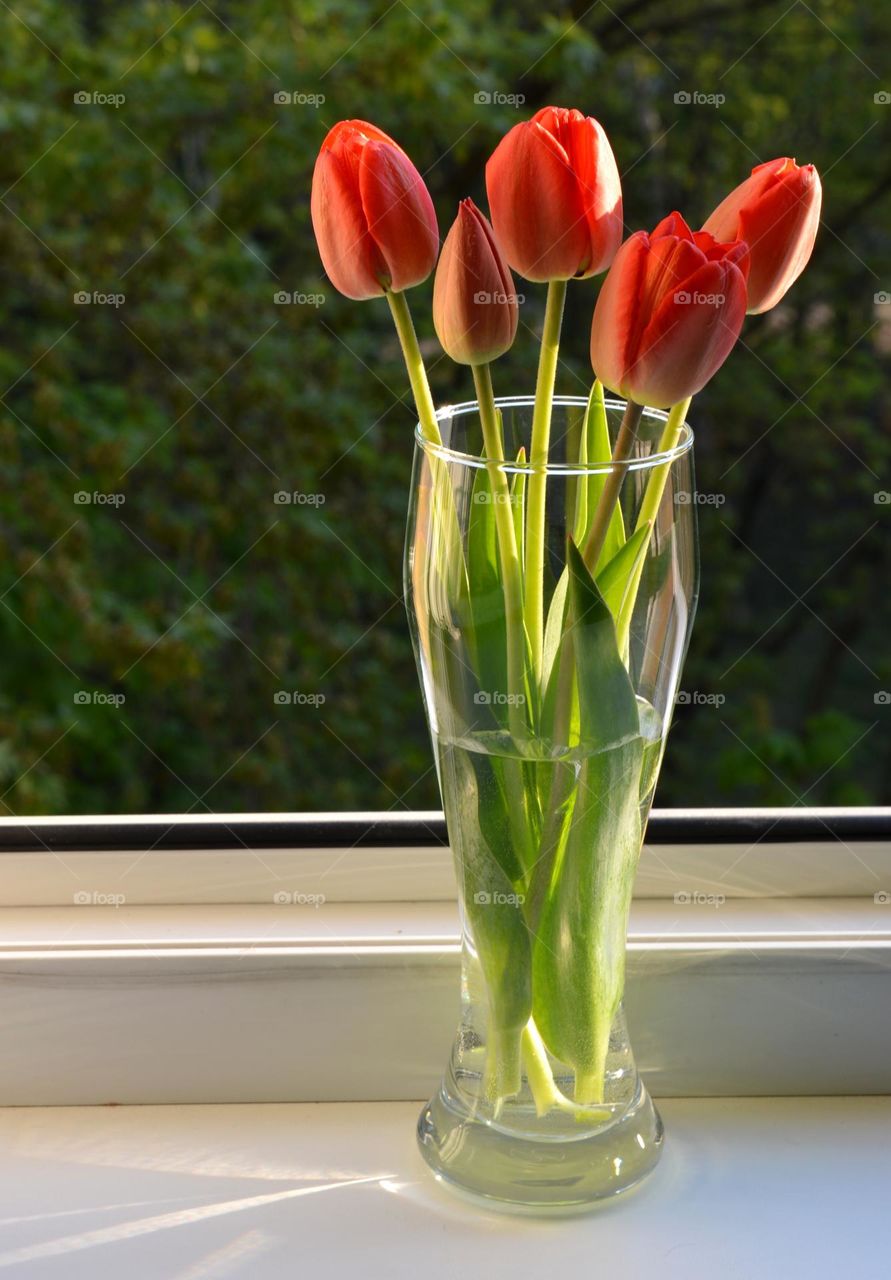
555 196
669 312
777 211
474 303
371 212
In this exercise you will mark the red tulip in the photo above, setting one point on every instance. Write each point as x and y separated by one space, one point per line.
777 211
669 312
474 303
371 212
555 196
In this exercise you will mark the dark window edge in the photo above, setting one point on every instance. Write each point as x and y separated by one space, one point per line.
418 830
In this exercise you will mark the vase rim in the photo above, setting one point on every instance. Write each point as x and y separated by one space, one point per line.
450 411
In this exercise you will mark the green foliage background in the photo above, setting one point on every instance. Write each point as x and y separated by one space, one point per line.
198 398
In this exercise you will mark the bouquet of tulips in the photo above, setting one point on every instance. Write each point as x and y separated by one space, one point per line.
671 307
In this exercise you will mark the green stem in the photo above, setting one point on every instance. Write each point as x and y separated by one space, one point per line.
538 480
501 1076
543 1087
507 546
414 363
613 484
649 509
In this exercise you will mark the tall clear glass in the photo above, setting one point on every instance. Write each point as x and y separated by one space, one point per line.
547 771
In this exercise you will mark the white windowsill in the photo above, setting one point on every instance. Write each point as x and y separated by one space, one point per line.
747 1188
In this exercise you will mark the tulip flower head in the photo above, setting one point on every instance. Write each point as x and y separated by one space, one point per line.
555 196
372 214
474 304
669 312
777 211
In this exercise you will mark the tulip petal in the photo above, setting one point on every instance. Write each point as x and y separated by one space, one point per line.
686 341
535 205
399 213
612 329
349 254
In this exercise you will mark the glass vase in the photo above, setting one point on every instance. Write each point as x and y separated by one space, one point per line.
547 767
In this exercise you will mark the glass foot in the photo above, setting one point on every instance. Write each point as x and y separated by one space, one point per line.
535 1173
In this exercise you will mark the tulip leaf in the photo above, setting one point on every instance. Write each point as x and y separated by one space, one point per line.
518 507
475 817
613 578
582 908
486 593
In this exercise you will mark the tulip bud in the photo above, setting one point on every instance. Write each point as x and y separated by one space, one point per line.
669 312
777 212
555 196
474 303
371 212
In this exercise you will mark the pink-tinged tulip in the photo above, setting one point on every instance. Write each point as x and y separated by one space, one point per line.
474 303
777 212
371 212
669 312
555 196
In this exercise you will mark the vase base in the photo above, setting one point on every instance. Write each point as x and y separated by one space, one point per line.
518 1173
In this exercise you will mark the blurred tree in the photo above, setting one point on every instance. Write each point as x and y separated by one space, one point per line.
145 154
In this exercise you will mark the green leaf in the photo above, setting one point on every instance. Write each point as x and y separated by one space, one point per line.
613 578
485 591
518 507
582 907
